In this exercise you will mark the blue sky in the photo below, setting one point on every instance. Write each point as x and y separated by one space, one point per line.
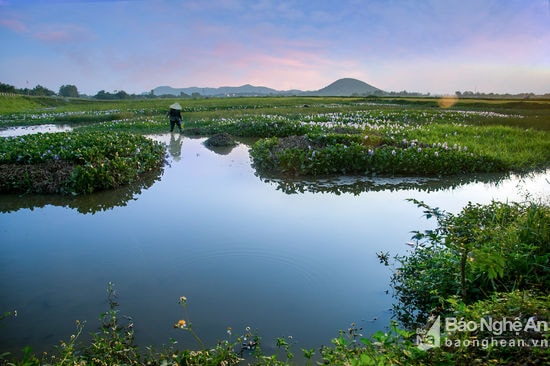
437 46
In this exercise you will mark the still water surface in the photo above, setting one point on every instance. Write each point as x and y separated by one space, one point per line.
244 250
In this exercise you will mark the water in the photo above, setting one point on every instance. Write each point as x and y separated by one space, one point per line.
285 258
25 130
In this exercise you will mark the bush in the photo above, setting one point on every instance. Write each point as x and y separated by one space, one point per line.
481 250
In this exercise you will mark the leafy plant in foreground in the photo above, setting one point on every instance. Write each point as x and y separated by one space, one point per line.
115 343
528 344
498 247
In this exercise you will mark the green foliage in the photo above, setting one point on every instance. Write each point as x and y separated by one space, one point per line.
39 90
424 142
70 91
251 126
99 160
114 344
525 308
7 88
17 103
351 156
382 348
103 95
481 250
486 260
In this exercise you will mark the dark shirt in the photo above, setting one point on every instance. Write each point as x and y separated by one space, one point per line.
175 114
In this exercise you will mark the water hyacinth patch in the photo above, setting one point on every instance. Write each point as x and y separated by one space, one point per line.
407 143
89 161
135 124
69 117
250 126
352 157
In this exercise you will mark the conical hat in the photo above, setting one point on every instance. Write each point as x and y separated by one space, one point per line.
176 106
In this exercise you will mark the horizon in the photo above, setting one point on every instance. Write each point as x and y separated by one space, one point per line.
301 90
427 46
298 90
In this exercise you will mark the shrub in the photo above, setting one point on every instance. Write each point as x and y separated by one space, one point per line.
481 250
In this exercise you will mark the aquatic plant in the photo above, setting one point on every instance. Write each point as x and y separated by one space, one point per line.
403 143
358 156
75 162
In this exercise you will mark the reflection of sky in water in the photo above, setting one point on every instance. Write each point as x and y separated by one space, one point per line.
25 130
243 252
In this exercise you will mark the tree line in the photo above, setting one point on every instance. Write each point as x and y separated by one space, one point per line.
66 91
71 91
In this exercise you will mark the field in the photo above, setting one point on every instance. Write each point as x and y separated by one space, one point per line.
317 136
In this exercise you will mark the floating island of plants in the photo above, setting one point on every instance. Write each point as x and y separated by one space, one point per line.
76 162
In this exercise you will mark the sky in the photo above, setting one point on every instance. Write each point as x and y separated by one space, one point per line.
435 46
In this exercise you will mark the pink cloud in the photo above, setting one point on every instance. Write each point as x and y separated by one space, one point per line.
292 69
53 36
14 25
513 48
62 34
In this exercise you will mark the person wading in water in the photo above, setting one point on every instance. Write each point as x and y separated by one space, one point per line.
175 116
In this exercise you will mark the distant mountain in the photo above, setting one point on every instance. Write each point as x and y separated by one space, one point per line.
346 87
224 91
342 87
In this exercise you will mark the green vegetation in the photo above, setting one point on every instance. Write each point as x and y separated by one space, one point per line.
414 143
75 162
318 136
486 262
499 247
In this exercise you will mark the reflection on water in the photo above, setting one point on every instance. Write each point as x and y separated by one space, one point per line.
357 185
84 204
25 130
174 147
242 250
221 150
